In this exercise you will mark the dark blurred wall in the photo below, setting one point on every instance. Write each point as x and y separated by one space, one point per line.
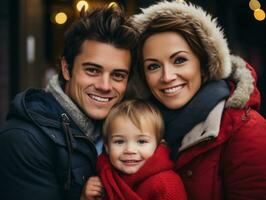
4 58
31 57
22 60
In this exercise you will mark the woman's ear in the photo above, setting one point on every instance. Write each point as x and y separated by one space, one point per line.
65 70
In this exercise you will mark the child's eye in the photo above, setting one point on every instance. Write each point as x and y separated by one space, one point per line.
118 141
180 60
142 141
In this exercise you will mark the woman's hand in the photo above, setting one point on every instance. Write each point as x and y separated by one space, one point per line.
93 189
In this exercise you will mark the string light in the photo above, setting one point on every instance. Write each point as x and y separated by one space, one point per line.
112 4
80 5
254 4
259 14
60 18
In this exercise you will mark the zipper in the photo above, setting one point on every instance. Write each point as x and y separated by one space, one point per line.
66 124
65 118
66 121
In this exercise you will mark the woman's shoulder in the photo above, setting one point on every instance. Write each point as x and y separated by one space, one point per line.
243 158
244 120
247 129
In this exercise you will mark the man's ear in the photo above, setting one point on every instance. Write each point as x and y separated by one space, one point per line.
106 148
65 70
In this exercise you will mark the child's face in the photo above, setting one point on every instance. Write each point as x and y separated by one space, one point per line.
129 147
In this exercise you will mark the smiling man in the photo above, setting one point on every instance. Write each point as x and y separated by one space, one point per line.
48 143
99 77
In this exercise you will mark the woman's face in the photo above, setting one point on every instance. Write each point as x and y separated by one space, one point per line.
172 70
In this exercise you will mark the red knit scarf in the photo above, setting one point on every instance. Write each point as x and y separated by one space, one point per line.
120 186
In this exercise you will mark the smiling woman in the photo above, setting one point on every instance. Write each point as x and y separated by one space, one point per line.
208 100
172 69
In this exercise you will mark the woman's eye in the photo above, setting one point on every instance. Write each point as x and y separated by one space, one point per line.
118 76
152 67
180 60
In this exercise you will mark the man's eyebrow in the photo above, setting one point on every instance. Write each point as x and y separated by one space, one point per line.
91 64
122 70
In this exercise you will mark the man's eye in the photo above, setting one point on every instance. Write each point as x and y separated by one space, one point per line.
180 60
119 76
92 70
153 66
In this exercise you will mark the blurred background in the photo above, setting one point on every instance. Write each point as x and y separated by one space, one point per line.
31 37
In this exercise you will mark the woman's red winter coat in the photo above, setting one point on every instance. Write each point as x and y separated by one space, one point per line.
233 165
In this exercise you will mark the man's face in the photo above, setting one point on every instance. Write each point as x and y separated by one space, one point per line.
99 77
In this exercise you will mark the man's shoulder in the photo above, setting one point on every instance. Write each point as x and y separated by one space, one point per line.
20 131
19 125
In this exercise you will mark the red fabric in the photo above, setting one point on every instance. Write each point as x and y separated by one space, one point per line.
156 180
232 166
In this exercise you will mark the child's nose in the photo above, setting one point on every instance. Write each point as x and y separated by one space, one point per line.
130 148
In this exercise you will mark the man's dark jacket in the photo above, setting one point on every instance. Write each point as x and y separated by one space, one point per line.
43 154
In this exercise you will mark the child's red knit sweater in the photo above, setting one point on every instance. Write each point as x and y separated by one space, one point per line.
155 180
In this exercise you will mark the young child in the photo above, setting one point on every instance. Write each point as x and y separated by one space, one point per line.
136 164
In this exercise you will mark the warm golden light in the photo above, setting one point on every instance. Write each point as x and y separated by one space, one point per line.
259 14
254 4
113 4
60 18
80 5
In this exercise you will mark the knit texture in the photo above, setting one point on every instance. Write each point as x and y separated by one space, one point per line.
155 180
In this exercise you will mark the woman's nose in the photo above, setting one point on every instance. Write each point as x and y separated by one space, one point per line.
168 74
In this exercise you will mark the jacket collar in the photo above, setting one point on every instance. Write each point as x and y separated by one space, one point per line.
81 120
205 130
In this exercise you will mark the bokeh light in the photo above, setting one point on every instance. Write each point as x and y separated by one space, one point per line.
80 5
259 14
254 4
113 4
60 18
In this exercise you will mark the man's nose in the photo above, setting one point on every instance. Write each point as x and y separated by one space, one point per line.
104 83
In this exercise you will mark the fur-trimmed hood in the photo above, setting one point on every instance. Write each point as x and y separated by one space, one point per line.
222 65
211 35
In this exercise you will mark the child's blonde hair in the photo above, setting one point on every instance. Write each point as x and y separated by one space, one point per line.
135 110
